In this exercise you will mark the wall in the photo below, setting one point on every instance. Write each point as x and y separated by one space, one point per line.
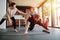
2 12
33 3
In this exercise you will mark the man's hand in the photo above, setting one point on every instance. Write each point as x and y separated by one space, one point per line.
25 14
10 21
21 12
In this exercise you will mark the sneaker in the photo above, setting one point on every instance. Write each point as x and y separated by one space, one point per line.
26 33
46 31
15 30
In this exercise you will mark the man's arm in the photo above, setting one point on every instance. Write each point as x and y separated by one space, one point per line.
21 12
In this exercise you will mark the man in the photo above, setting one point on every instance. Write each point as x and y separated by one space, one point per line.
34 19
26 19
11 10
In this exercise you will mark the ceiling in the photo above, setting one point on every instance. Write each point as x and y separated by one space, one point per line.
33 3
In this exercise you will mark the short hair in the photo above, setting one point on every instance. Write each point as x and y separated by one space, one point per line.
12 4
32 8
36 16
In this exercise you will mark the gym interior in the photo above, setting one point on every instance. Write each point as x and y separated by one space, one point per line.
44 8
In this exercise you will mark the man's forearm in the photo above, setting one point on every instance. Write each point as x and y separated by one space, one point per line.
21 12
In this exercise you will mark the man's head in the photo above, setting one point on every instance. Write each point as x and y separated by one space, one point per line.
32 9
27 10
12 5
36 17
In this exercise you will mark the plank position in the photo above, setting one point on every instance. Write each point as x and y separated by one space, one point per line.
35 19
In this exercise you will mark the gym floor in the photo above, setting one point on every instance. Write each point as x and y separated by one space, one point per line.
35 34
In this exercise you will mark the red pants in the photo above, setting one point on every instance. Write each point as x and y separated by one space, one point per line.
44 25
33 22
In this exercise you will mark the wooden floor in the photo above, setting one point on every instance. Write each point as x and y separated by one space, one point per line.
35 34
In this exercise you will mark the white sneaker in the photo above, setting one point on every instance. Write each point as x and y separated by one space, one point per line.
15 30
26 33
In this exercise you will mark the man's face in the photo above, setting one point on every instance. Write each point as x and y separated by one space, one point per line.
12 7
27 11
32 9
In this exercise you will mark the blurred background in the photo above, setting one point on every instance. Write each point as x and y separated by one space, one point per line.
45 8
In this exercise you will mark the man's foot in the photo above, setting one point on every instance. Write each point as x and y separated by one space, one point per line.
46 31
26 33
15 30
29 29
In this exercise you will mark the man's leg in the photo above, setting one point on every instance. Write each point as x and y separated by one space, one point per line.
2 20
31 26
27 26
14 24
46 28
41 24
32 23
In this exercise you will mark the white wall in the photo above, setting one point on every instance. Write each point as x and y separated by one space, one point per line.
33 3
2 12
